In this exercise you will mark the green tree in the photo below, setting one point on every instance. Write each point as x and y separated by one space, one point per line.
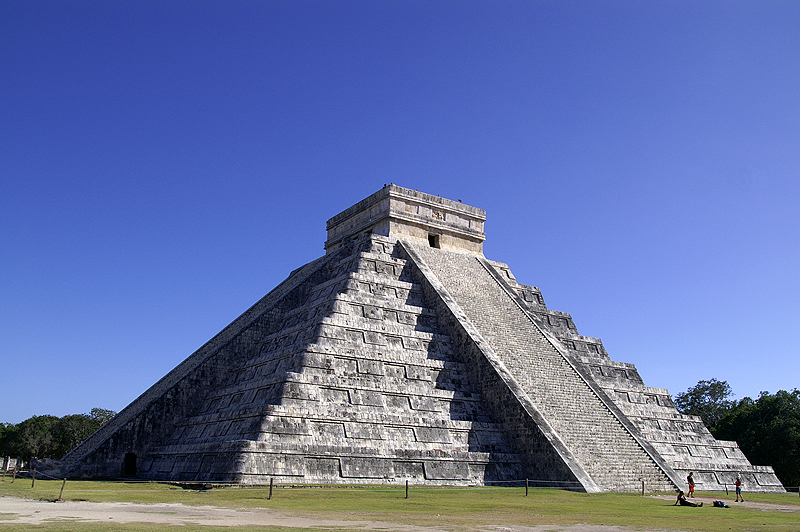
73 429
36 438
707 399
101 415
41 437
8 440
768 432
70 431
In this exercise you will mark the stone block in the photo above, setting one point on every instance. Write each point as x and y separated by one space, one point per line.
441 470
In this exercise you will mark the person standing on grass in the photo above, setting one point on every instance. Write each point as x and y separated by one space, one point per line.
690 480
738 485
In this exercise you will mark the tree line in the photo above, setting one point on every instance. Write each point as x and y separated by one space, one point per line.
767 429
41 437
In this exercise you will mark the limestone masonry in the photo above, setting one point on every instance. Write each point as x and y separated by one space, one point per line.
405 354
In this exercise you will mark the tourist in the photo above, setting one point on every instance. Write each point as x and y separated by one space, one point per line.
683 502
738 485
690 480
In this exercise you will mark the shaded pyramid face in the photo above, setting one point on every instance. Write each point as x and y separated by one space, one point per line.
347 378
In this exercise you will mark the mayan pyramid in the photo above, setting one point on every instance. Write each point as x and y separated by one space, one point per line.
405 354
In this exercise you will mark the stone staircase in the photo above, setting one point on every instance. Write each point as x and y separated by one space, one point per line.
682 441
595 434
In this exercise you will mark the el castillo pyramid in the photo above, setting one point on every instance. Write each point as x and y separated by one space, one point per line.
405 354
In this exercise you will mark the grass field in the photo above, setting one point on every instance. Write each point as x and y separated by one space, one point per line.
484 508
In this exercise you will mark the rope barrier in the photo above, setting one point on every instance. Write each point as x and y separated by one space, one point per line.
35 474
42 476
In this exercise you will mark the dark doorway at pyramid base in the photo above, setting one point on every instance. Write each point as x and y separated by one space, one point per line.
129 465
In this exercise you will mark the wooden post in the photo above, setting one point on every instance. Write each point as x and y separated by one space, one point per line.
406 489
62 490
33 477
526 487
270 488
642 487
726 489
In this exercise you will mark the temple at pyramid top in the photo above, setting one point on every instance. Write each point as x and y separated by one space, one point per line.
405 214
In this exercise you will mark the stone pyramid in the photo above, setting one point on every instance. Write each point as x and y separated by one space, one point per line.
404 354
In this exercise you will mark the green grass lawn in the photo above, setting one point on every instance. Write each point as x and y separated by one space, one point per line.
447 508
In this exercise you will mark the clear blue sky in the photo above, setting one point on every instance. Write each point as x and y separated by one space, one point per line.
163 165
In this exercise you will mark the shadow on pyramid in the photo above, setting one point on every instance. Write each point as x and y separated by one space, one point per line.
401 355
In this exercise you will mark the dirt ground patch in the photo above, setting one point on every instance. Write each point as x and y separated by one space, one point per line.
33 512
